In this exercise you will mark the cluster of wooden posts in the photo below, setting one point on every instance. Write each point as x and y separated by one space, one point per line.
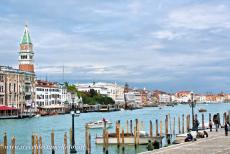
4 146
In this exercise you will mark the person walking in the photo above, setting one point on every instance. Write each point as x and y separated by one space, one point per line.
226 128
210 125
216 122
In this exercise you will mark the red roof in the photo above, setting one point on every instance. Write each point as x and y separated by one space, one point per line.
6 108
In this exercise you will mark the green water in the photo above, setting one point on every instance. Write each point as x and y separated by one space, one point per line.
22 129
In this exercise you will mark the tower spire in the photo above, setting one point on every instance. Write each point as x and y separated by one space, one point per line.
26 54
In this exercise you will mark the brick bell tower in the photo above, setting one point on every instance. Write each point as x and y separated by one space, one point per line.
26 54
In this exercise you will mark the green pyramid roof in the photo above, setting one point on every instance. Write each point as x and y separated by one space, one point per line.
26 37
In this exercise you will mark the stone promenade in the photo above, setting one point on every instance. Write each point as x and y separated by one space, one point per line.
216 143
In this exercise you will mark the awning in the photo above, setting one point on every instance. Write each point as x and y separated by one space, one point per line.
7 108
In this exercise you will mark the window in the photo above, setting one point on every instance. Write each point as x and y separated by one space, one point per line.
23 56
1 89
1 78
2 100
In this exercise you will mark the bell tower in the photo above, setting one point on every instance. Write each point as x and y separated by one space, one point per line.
26 54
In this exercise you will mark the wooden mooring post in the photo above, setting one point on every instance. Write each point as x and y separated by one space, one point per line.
52 141
166 125
5 143
127 126
203 126
182 123
161 129
32 142
188 122
131 126
13 145
135 137
104 135
150 128
1 148
157 133
224 118
174 123
70 134
118 135
65 144
138 132
36 145
169 117
107 141
40 144
87 139
123 140
179 131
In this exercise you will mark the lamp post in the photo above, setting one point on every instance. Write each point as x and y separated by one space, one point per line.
72 147
192 104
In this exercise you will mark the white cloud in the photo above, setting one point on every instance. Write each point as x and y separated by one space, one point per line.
165 35
200 17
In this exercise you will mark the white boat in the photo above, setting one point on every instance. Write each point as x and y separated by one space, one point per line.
122 109
77 114
37 115
99 124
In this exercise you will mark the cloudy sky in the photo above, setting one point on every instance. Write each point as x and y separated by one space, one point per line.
159 44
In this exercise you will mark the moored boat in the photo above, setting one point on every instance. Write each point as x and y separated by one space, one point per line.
100 124
202 110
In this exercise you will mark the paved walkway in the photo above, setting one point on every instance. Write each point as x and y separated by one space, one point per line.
216 143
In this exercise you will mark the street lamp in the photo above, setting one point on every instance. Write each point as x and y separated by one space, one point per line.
192 104
72 147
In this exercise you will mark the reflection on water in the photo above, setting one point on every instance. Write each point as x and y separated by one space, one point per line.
22 129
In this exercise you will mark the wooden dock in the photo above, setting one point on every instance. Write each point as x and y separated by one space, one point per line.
216 143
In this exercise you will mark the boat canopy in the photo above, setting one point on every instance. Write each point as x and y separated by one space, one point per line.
7 108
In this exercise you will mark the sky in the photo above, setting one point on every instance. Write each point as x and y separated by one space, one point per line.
169 45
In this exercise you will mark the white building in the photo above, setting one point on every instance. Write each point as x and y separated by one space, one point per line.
113 90
164 98
48 93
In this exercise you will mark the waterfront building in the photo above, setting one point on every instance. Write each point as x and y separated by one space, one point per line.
162 97
113 90
183 96
143 94
17 88
50 93
200 98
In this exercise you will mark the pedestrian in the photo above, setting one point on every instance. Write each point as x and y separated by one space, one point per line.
210 125
196 124
216 122
226 129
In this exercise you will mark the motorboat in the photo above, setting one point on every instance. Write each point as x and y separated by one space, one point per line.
202 110
37 115
77 114
100 124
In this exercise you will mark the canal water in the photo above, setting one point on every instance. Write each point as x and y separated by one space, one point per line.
22 129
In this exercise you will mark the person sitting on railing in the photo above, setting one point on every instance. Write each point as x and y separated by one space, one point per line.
150 146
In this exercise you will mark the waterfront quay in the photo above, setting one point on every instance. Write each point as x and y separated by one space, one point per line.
216 143
42 126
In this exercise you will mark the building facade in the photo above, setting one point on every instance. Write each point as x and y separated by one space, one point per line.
113 90
17 87
49 93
